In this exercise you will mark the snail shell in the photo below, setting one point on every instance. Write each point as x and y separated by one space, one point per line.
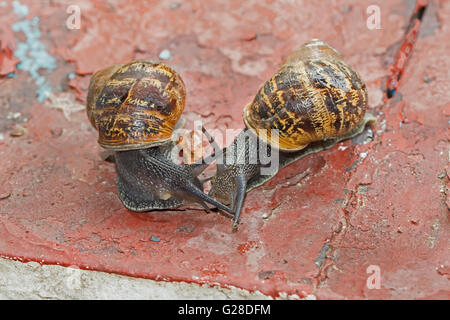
315 95
135 105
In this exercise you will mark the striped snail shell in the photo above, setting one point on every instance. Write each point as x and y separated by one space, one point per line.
315 95
135 105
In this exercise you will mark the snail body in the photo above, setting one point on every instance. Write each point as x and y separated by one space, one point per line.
314 101
134 108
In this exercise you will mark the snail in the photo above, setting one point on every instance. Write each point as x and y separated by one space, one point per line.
135 107
314 101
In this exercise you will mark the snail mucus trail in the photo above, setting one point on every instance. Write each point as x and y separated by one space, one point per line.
314 101
134 108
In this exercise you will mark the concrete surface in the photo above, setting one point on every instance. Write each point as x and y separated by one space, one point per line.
358 221
34 281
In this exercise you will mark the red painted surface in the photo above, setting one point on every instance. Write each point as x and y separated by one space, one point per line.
331 215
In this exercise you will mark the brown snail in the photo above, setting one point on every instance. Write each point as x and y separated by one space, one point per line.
134 108
314 101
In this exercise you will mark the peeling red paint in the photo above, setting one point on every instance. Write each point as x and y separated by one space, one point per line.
244 247
80 84
7 60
